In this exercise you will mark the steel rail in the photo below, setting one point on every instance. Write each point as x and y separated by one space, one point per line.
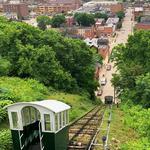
91 130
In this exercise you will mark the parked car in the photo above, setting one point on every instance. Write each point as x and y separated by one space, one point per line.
103 81
100 92
108 67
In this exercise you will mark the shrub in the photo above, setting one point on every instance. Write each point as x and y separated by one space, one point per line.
5 140
3 113
16 89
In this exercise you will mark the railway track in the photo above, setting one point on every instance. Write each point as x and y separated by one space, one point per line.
82 131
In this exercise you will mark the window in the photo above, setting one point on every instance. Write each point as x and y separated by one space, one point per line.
33 114
56 122
60 120
47 122
26 116
64 118
67 117
14 119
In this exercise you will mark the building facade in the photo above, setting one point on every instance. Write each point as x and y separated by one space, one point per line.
58 6
21 9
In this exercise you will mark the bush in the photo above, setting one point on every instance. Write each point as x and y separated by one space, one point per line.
16 89
4 66
3 113
5 140
141 144
138 119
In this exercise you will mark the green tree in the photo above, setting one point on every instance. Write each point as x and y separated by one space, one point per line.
43 21
57 21
132 61
143 89
120 15
4 66
5 140
101 15
119 25
84 19
47 56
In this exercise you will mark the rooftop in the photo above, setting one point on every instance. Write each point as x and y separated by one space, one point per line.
52 105
136 9
112 20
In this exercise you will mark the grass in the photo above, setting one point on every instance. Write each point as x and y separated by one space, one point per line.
79 104
119 132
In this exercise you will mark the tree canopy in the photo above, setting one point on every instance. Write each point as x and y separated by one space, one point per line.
58 20
43 21
84 19
47 56
132 61
101 15
120 15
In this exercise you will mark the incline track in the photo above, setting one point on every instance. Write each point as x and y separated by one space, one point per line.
82 131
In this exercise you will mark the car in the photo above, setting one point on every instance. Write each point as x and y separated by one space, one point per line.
108 67
103 81
100 92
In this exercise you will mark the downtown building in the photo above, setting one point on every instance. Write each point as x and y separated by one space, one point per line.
57 6
15 10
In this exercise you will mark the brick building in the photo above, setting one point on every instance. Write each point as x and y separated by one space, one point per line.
112 6
1 8
142 26
21 9
144 23
70 21
58 6
105 30
138 11
103 46
99 22
103 50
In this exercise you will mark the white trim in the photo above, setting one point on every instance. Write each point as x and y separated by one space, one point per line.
50 105
18 107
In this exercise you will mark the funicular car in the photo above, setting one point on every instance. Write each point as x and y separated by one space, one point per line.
108 99
39 125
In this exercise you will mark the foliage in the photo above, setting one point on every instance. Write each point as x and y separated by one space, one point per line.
84 19
101 15
133 85
57 21
120 15
143 89
119 133
132 61
5 140
3 113
48 57
141 144
119 25
138 18
4 66
137 118
43 21
16 89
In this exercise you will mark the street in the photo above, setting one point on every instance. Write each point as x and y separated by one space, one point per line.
121 37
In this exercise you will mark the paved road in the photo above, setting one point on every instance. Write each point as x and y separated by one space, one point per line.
121 37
